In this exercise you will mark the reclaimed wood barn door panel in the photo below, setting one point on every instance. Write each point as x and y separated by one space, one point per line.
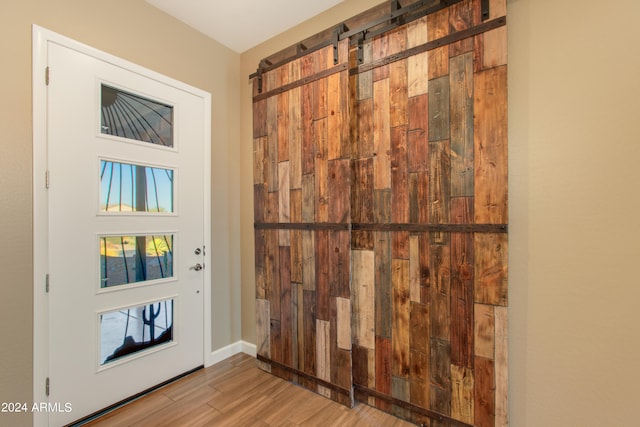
429 214
302 213
380 184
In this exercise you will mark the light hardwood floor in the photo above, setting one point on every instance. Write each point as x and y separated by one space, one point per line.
236 393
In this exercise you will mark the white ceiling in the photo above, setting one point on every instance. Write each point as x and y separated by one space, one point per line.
242 24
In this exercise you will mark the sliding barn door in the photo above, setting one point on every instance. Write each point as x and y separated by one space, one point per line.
381 214
429 213
302 214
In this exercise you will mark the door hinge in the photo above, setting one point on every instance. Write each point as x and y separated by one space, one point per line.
46 76
46 283
46 179
46 387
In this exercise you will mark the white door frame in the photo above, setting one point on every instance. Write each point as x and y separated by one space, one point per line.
41 38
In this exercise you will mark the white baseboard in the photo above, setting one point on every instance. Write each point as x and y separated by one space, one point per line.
231 350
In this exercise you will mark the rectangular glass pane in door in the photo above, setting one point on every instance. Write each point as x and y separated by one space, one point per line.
132 116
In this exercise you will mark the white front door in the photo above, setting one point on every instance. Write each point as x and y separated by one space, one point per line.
126 221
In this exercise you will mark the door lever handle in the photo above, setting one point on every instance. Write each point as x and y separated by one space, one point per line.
196 267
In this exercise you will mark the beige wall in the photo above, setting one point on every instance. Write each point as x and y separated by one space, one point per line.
574 84
574 239
135 31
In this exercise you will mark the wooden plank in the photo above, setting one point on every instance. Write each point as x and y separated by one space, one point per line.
383 287
400 245
484 391
400 318
284 207
418 151
364 112
490 145
494 48
419 388
297 335
259 160
308 198
309 332
295 137
419 113
346 111
362 191
400 389
344 323
271 206
323 355
484 331
272 143
381 205
462 394
380 49
260 270
383 370
381 136
462 275
425 268
439 109
420 331
286 319
461 17
263 328
295 205
363 272
339 263
501 367
319 97
440 292
322 274
418 65
321 172
308 260
439 187
362 240
272 269
461 95
259 202
334 118
438 27
440 373
339 190
306 119
491 264
365 80
283 126
399 175
414 268
260 119
398 93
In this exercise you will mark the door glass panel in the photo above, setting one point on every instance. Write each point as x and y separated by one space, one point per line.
128 187
135 259
127 331
134 117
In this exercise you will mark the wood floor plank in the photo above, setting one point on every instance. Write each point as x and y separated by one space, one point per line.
235 392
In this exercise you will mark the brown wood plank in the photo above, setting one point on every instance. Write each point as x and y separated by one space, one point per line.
259 202
501 367
284 207
425 268
365 79
323 274
461 95
260 270
399 175
462 276
400 245
439 187
283 126
439 109
308 260
400 389
438 27
295 138
321 172
419 114
271 206
491 264
418 151
484 331
286 319
319 97
419 389
383 370
417 66
440 292
490 145
260 119
400 322
339 190
364 112
308 146
381 205
362 190
462 394
484 392
272 143
419 354
323 354
381 136
440 372
296 335
334 118
272 270
414 268
461 17
383 287
263 327
380 49
363 272
339 263
309 331
362 240
398 93
308 198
